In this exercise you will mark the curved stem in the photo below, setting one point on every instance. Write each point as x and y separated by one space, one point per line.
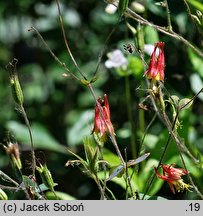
62 64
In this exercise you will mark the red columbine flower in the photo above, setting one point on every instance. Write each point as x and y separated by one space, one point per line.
173 177
102 121
157 63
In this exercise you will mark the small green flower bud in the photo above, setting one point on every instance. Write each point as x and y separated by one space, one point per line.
46 176
3 195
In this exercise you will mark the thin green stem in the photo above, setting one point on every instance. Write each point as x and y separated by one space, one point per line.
62 64
99 186
128 179
9 188
141 120
145 133
66 42
160 160
8 179
130 117
31 140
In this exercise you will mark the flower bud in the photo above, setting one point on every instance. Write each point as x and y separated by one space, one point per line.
102 121
157 63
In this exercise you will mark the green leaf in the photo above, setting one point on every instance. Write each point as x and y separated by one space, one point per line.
43 187
135 66
41 136
185 103
116 171
196 4
110 157
137 160
151 35
174 99
196 85
196 62
91 153
80 129
60 195
89 148
122 6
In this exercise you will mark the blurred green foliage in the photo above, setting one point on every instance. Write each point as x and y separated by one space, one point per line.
61 110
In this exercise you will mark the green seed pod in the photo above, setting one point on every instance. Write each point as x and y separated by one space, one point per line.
122 6
15 84
3 195
16 90
140 38
46 176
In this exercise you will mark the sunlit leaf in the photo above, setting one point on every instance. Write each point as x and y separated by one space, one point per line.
196 62
80 129
196 85
41 136
185 103
197 4
151 35
60 195
138 160
115 172
174 99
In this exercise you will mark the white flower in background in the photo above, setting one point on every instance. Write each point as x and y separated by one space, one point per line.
149 48
116 59
110 9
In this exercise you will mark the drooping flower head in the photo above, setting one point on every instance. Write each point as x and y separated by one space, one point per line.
173 177
157 63
102 121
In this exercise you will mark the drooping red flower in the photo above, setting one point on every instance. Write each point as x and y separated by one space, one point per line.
157 63
102 121
173 177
